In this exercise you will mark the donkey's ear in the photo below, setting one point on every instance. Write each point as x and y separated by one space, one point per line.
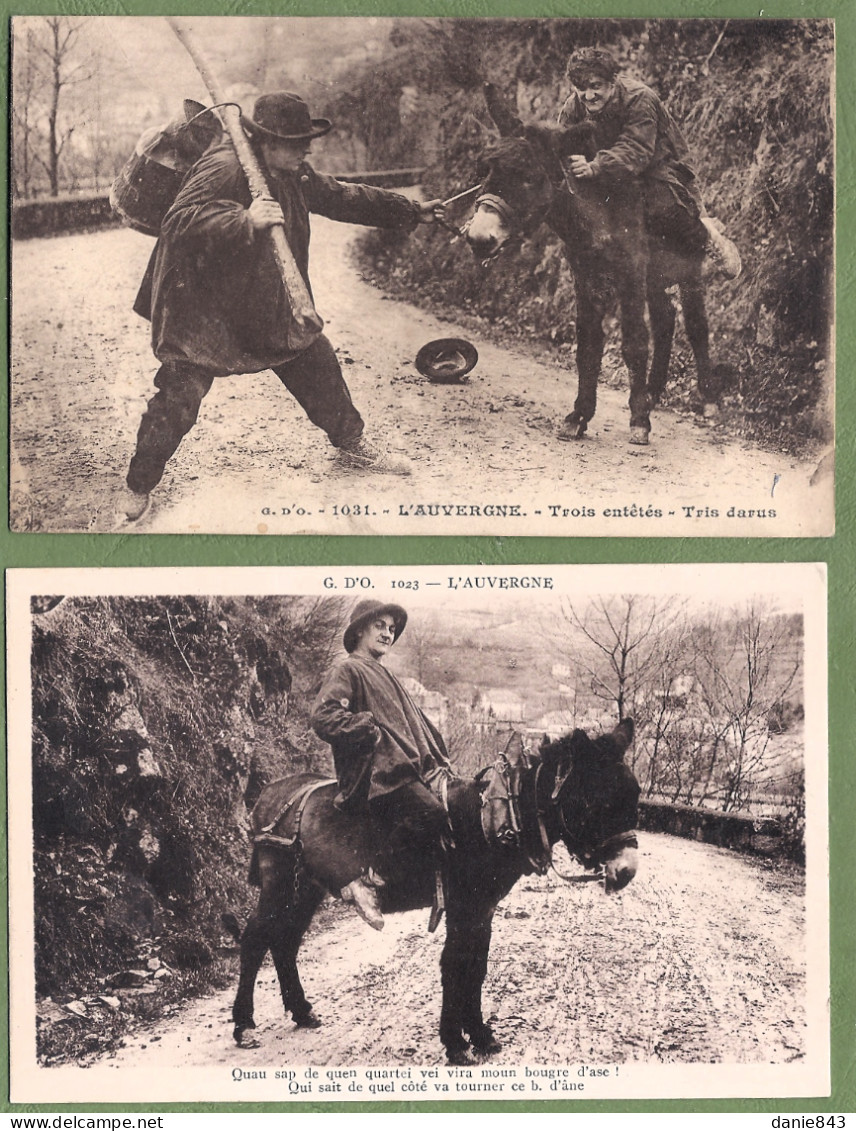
514 753
622 736
504 118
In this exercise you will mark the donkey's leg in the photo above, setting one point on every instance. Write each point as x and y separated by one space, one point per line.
480 1034
590 339
454 962
463 965
275 874
634 351
661 308
284 948
696 325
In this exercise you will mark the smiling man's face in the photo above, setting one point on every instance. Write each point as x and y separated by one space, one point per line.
595 92
377 637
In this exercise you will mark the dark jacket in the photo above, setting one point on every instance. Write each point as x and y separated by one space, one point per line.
635 135
212 289
380 738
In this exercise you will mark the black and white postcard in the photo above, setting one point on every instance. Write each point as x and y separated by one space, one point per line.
427 833
567 277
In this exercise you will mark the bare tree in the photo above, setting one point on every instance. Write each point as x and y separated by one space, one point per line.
628 633
662 715
25 81
470 746
422 641
49 62
745 667
63 71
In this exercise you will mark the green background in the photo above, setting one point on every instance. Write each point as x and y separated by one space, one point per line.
43 550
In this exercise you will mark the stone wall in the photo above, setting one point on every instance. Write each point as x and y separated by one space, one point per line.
739 831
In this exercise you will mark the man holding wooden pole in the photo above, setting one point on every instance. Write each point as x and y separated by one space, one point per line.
221 304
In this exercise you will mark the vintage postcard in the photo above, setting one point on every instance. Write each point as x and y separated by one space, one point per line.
567 277
424 833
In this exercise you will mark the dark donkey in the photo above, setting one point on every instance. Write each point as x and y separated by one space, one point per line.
579 791
602 225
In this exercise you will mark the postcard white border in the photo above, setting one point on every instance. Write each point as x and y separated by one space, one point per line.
31 1083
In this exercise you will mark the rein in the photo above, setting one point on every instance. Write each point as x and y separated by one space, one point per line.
447 224
619 840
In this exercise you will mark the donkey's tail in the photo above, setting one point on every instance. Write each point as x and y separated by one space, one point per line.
231 925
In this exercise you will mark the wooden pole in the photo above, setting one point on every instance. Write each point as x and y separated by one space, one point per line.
307 322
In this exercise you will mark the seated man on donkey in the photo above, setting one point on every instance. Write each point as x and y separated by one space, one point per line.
385 750
636 136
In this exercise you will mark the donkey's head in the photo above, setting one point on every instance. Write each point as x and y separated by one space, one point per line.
519 176
594 800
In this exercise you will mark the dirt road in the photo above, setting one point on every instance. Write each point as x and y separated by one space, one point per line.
82 371
700 960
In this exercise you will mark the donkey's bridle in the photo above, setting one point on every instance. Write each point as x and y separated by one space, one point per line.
501 207
498 205
598 853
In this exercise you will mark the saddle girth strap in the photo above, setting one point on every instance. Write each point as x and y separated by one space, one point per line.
298 804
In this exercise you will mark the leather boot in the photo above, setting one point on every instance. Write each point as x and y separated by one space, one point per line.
363 894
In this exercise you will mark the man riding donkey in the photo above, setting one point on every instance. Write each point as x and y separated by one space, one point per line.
215 296
636 136
386 753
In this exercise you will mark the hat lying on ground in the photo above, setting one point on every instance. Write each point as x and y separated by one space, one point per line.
446 360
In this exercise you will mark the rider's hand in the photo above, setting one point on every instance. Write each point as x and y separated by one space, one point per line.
431 211
264 212
580 167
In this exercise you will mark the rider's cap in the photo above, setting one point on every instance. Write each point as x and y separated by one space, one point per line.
588 61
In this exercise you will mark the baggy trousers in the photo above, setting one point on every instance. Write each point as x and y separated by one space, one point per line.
672 218
314 378
415 822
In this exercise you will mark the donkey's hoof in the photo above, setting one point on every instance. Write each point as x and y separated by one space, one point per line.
488 1045
710 411
638 434
573 427
459 1059
309 1020
242 1040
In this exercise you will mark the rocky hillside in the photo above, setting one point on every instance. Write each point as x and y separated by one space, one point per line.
156 721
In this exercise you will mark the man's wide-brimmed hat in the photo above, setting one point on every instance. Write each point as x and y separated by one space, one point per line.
446 360
283 116
365 611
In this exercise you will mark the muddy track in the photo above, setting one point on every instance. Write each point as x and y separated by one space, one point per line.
700 960
82 372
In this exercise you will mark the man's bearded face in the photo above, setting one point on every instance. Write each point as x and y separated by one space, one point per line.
377 638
